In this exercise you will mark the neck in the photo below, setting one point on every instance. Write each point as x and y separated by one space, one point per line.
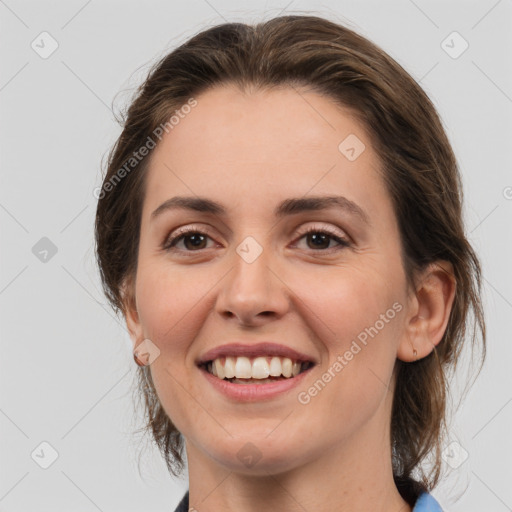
354 476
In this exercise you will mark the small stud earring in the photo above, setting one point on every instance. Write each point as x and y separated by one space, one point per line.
415 353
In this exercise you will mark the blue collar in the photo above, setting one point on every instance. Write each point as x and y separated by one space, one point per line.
426 503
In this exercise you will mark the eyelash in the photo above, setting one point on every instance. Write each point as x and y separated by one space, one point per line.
169 243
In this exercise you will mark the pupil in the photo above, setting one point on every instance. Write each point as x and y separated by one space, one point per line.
318 236
198 239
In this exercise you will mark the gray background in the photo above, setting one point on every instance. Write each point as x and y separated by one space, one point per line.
66 363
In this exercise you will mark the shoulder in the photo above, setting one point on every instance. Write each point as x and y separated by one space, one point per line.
426 503
183 504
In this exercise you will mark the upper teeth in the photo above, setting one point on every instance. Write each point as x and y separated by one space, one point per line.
258 368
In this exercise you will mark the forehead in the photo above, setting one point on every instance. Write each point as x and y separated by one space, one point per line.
285 121
244 146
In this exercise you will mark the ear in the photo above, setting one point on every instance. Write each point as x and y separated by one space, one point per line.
130 311
428 312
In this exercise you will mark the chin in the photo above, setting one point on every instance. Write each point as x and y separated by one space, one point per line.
256 455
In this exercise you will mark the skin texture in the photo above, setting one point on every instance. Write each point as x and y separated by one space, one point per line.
250 151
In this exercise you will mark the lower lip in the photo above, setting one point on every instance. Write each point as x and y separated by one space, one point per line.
254 392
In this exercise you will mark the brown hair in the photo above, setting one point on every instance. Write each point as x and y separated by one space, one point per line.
419 169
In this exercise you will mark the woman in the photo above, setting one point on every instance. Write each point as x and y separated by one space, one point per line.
280 225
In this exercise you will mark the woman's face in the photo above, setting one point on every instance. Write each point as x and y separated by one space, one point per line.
253 276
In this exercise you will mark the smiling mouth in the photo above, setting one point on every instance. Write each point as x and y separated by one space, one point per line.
258 370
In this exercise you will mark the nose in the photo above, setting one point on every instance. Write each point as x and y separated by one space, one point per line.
252 293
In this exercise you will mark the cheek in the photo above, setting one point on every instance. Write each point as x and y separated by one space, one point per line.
361 353
167 300
356 315
168 303
346 301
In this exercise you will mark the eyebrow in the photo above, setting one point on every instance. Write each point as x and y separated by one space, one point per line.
290 206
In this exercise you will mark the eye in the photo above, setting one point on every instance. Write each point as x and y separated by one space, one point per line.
195 236
195 239
323 236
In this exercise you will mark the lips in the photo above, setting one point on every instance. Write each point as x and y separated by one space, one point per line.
265 348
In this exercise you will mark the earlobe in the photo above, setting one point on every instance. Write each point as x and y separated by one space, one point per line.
430 310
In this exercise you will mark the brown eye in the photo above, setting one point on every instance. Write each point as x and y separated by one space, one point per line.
318 239
197 241
321 238
193 240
